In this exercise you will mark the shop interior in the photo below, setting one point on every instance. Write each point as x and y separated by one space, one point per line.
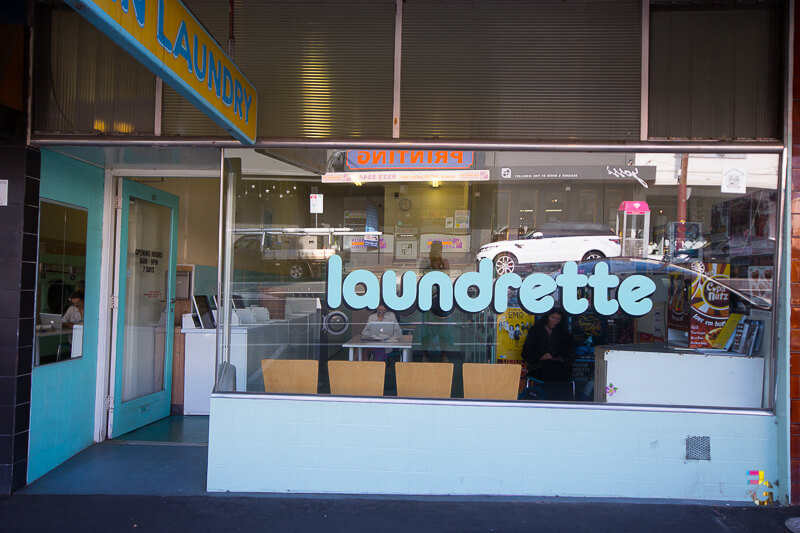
706 240
702 227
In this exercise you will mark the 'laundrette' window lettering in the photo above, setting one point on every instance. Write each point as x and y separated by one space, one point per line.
535 290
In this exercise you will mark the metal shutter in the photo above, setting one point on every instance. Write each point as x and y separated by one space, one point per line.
521 70
322 69
178 116
716 73
84 83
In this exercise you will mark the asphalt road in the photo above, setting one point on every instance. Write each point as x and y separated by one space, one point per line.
303 514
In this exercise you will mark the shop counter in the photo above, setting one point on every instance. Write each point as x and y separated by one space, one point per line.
656 375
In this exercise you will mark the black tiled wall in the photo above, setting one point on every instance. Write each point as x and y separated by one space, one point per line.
19 227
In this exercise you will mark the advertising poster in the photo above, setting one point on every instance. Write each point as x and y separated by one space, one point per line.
588 331
462 218
709 306
761 279
371 241
315 204
512 328
678 308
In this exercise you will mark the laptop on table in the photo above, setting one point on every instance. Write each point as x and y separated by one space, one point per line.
50 320
381 331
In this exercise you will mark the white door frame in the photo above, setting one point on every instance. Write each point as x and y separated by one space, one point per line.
107 265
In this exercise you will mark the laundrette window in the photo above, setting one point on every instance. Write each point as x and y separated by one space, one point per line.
60 283
608 278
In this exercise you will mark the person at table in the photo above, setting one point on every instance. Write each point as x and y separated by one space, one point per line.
74 314
381 325
548 348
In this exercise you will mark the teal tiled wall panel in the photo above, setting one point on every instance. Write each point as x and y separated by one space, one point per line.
264 445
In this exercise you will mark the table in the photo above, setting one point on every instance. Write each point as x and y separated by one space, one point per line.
356 343
73 336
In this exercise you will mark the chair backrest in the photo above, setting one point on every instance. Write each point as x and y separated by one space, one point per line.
424 380
290 375
484 381
357 378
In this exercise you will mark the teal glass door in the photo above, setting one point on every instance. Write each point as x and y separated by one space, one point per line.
147 235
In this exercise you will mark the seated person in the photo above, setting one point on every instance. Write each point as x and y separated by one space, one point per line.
381 325
548 348
74 314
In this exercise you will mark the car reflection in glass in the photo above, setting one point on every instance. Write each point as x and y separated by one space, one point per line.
552 243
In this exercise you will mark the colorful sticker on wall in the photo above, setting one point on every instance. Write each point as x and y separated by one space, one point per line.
450 243
611 390
511 330
709 305
359 244
760 497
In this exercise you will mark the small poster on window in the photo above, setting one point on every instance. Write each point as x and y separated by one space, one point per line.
734 181
512 329
709 305
462 218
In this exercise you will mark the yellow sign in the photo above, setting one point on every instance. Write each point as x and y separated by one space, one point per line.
512 328
165 37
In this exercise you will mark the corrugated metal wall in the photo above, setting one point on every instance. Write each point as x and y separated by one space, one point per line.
471 69
84 83
178 115
533 70
716 73
321 68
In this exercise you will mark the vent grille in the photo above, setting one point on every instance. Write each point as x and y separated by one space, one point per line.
698 448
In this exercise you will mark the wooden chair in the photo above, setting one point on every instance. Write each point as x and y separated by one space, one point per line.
357 378
491 382
297 376
424 380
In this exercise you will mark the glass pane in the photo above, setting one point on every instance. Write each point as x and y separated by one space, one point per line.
61 283
602 277
149 231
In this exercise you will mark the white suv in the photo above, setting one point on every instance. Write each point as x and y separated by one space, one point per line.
553 242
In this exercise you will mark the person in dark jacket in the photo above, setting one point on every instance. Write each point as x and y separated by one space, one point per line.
548 348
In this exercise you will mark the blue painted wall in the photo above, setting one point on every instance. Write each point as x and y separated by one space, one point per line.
63 393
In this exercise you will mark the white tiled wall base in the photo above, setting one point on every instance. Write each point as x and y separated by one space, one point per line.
267 445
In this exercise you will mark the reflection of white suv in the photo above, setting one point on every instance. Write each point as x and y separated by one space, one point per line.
553 242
